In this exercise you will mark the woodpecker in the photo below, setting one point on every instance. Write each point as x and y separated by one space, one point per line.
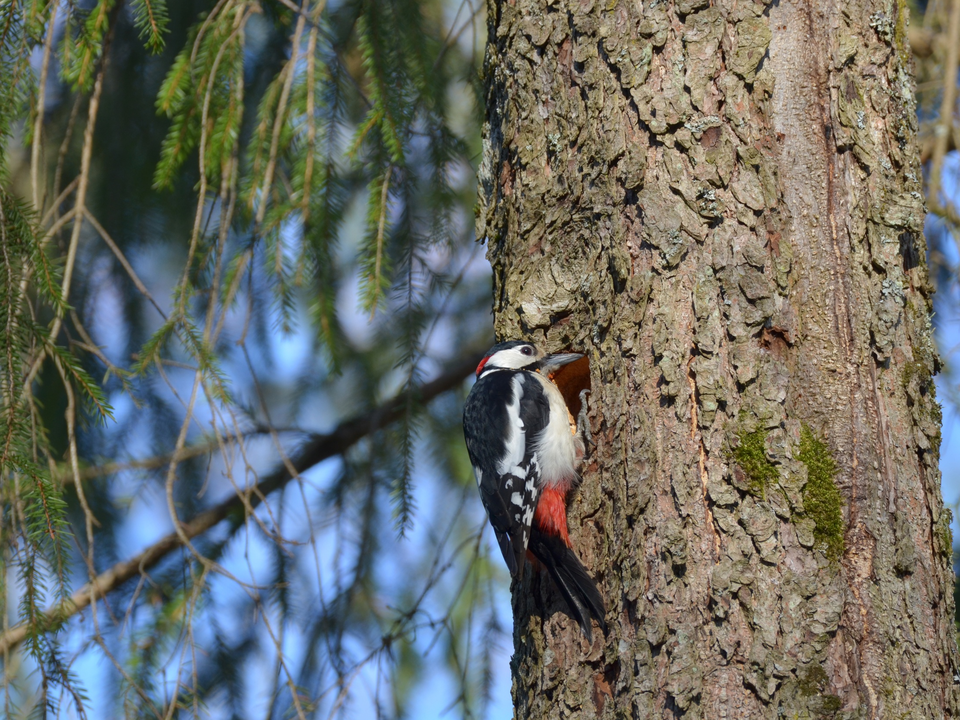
525 450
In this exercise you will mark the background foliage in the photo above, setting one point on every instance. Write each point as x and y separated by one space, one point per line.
233 233
241 293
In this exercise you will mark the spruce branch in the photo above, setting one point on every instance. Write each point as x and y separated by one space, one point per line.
314 451
150 17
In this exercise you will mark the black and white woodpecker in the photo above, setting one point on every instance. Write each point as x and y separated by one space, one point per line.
525 450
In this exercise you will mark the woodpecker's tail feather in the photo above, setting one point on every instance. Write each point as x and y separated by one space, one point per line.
571 579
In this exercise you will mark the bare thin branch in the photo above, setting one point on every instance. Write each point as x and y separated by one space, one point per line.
118 253
152 463
948 104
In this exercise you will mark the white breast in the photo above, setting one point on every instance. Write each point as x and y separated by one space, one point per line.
558 447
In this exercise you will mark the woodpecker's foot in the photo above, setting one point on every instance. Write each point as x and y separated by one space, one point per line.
583 422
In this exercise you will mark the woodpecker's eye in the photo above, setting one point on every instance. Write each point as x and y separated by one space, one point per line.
526 350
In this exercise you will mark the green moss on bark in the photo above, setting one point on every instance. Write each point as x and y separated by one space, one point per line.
821 498
813 683
945 535
751 456
919 370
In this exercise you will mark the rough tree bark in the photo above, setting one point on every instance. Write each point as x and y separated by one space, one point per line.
719 201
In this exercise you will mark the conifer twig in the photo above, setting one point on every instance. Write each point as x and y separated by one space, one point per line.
381 228
86 154
311 125
56 203
41 102
290 70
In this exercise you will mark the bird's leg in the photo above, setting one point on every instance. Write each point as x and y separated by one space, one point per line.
583 422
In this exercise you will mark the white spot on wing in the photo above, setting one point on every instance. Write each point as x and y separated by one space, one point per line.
516 437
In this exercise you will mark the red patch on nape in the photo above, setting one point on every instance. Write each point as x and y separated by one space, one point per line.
482 363
551 515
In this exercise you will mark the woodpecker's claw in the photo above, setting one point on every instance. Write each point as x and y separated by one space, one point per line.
583 422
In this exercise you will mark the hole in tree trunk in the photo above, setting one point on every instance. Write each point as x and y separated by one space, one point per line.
573 378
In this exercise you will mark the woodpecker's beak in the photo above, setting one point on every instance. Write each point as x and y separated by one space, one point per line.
552 363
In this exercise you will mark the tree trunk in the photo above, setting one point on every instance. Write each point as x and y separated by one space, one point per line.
719 202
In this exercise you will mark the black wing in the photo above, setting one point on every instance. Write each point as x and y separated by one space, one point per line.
503 414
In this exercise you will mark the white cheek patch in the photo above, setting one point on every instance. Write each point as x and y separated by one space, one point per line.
510 359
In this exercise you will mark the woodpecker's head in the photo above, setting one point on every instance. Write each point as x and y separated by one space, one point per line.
520 355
